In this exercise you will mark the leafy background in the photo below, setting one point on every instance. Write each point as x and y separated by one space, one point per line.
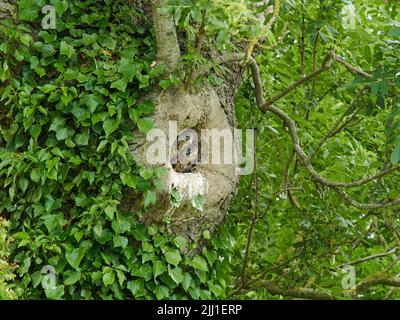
69 103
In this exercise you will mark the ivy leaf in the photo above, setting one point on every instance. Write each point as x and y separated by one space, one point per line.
88 39
61 7
136 287
82 139
66 49
150 197
52 221
101 146
110 125
187 279
200 264
35 175
56 293
27 10
180 242
109 210
91 102
128 179
152 229
119 84
198 202
161 292
75 256
159 267
207 235
145 125
108 278
173 257
146 173
176 274
120 241
72 278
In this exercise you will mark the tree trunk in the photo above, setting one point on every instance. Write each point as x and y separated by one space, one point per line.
203 107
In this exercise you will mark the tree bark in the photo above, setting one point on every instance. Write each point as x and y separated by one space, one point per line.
203 107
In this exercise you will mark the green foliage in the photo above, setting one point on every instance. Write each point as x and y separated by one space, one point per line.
70 99
303 236
6 269
69 105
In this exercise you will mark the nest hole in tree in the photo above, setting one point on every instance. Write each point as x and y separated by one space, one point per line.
185 154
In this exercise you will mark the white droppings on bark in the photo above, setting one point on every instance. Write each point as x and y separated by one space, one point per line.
189 185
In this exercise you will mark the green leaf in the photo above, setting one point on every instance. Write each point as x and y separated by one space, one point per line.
101 146
108 278
55 294
187 279
61 7
145 271
180 242
176 274
88 39
150 197
91 102
121 226
35 175
27 10
147 247
128 179
37 194
82 139
146 173
109 210
66 49
395 156
161 292
198 202
110 125
159 267
164 84
75 256
136 287
120 241
119 84
145 125
47 88
207 235
53 221
140 233
152 229
199 263
173 257
23 184
395 32
72 278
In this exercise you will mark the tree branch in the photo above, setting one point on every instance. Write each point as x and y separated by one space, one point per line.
290 124
371 257
326 65
363 286
337 127
301 293
168 51
294 85
350 67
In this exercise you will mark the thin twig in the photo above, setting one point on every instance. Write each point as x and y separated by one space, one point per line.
371 257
